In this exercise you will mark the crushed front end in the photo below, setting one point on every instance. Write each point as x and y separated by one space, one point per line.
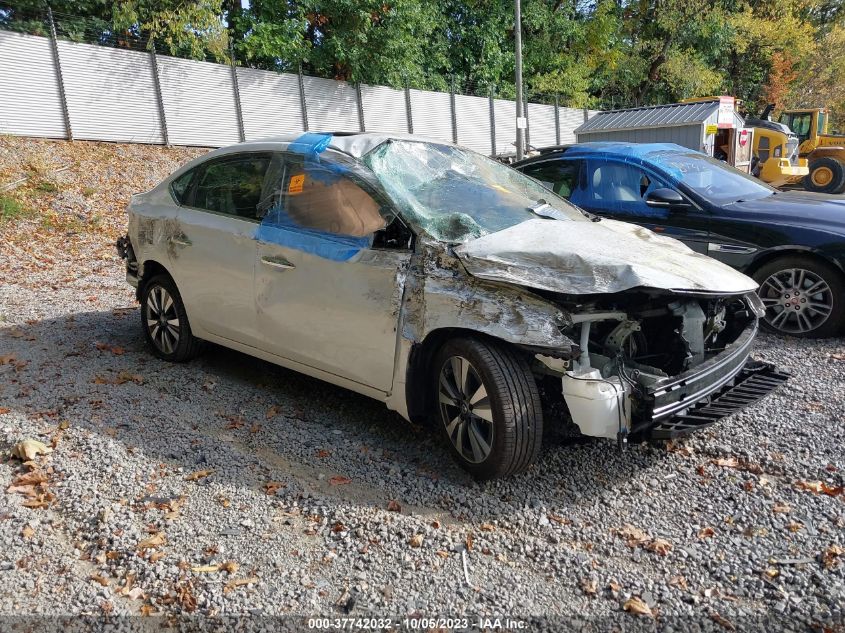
660 364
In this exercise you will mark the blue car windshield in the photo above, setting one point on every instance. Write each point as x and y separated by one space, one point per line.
713 180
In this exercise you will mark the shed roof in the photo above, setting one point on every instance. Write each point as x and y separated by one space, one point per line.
670 115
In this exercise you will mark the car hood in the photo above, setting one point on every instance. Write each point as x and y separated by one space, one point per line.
796 208
595 257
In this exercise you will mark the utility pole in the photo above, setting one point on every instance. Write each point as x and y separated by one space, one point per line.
520 119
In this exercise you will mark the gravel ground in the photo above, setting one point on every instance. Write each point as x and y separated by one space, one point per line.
231 486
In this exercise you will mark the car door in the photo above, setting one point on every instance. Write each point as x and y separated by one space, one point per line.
328 278
618 189
214 257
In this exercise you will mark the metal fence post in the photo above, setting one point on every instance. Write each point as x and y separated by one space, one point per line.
454 111
408 112
236 92
302 101
527 125
586 114
557 120
492 122
159 96
54 41
361 123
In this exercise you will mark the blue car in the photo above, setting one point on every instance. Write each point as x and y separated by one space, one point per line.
791 243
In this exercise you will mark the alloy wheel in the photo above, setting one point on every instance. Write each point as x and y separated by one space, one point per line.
162 319
465 409
797 300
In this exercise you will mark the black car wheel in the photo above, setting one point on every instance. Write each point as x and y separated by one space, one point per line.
165 322
827 175
489 408
803 297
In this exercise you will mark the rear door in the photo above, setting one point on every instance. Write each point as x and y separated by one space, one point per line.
617 189
329 272
214 256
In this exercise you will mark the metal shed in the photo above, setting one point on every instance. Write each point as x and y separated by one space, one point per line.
697 125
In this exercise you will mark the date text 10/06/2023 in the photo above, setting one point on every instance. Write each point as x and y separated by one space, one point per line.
420 623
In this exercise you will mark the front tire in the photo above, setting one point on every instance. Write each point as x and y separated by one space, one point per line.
165 322
827 175
488 407
804 297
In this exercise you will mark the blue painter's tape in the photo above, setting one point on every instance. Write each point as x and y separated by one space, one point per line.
278 228
310 144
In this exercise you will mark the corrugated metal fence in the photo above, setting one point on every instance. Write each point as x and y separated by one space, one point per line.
60 89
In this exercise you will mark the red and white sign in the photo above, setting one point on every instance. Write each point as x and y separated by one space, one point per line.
743 138
726 112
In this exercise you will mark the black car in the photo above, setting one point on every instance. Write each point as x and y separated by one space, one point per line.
791 243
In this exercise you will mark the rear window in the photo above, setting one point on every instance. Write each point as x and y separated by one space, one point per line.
181 186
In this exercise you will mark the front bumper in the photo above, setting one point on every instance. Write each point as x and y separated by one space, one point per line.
707 393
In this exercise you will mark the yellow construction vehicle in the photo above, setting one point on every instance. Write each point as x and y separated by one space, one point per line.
824 152
777 159
774 149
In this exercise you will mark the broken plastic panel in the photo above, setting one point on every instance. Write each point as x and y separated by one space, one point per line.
456 195
316 206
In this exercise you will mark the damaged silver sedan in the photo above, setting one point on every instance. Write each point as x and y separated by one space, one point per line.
448 286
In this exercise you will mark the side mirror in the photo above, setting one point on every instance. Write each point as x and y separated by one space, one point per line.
666 198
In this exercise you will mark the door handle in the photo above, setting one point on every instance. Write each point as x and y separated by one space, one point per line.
277 262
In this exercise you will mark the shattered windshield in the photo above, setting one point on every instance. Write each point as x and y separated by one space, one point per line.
456 195
711 179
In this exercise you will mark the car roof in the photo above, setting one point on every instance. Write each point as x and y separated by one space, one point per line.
620 149
353 143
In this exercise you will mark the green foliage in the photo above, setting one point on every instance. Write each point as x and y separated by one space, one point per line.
11 209
588 53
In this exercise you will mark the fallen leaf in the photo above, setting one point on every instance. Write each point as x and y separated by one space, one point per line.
442 553
99 579
338 527
589 587
273 411
781 508
659 546
637 606
831 556
469 541
28 450
487 527
632 535
794 526
323 453
393 506
339 480
416 540
271 487
726 462
154 541
197 475
157 556
614 586
4 410
707 532
771 572
820 487
558 519
723 621
205 569
239 582
148 610
678 581
27 532
230 566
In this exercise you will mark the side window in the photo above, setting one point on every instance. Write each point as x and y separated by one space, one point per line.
181 186
620 189
321 197
232 185
561 176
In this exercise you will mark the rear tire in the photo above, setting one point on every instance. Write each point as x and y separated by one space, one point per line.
165 322
798 291
827 175
487 407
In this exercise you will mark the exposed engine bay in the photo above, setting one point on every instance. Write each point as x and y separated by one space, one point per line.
633 344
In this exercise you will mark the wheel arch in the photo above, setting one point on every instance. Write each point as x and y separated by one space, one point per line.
779 252
146 271
418 390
